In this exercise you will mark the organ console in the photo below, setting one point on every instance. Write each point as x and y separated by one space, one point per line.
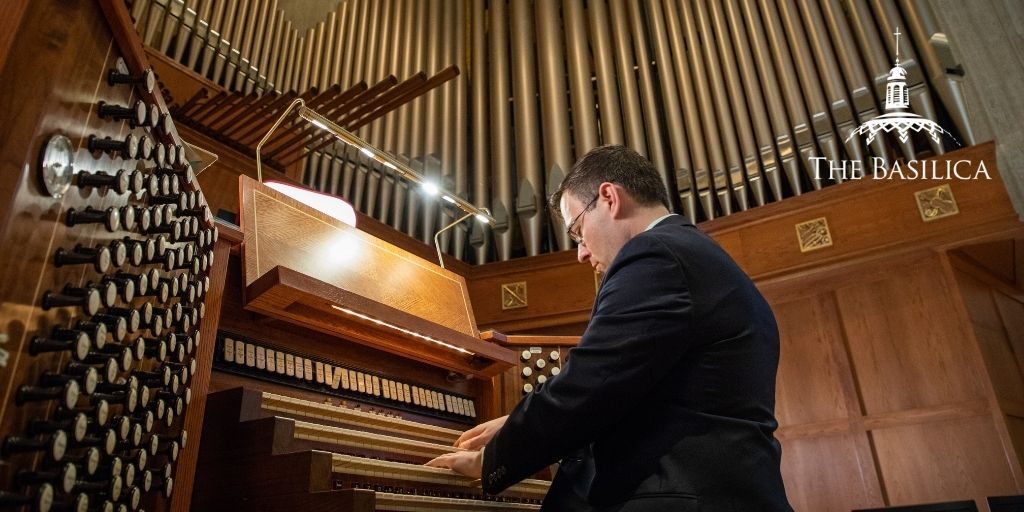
356 393
97 276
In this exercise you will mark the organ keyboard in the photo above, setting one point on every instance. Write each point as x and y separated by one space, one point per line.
364 451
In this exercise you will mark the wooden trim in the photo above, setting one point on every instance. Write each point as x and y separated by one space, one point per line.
946 412
200 383
529 340
228 231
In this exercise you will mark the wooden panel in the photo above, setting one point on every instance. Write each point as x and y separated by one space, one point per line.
1011 311
826 474
1000 343
347 258
996 257
560 291
947 461
909 346
809 386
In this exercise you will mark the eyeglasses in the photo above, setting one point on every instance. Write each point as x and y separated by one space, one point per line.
577 236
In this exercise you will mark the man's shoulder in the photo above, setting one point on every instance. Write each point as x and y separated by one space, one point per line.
669 235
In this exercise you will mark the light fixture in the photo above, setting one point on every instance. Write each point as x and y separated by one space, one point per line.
437 236
383 157
430 188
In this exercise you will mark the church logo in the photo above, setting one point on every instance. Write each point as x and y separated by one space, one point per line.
898 118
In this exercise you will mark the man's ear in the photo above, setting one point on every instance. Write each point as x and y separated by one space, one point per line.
615 197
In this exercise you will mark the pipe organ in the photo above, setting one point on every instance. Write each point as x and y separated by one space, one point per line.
335 363
731 100
106 269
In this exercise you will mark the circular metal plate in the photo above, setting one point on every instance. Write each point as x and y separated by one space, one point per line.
57 165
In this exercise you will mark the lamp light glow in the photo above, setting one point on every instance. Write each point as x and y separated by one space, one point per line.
330 205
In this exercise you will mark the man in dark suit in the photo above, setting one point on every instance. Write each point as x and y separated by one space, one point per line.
667 404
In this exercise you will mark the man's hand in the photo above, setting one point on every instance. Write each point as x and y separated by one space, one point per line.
478 436
468 463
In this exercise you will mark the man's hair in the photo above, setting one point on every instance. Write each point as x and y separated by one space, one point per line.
616 164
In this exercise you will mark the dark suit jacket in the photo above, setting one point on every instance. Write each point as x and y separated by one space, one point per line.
668 401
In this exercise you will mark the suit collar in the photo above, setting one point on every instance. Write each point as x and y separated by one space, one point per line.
677 220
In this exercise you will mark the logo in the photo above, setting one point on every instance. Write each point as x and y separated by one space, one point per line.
897 117
899 120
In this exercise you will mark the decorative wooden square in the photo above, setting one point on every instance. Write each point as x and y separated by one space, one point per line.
513 295
813 235
936 203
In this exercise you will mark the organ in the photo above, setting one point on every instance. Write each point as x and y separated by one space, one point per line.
357 362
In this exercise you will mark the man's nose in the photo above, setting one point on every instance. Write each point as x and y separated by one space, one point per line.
582 254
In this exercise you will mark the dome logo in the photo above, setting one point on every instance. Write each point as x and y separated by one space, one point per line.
898 117
901 122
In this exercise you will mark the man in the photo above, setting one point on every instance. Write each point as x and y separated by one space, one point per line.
667 403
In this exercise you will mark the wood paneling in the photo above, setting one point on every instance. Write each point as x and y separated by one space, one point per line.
1015 427
828 474
908 345
809 386
997 257
1011 312
560 291
943 461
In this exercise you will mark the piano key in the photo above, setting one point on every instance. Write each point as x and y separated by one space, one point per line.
358 419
